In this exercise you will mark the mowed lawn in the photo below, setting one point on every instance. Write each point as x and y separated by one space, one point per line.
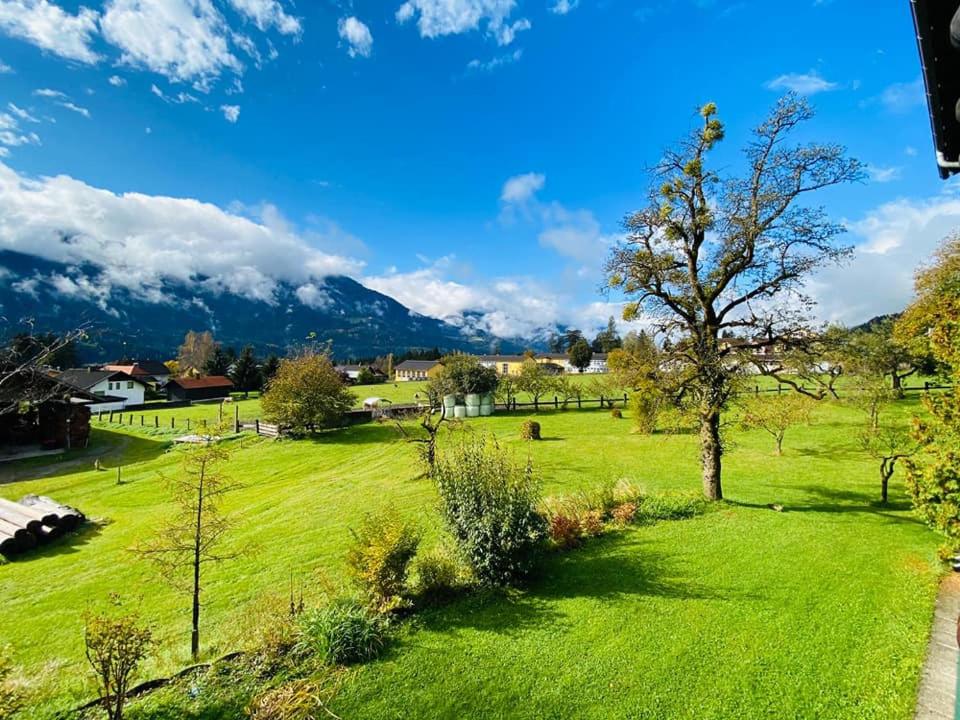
819 611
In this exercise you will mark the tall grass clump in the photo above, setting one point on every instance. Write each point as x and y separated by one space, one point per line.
343 633
489 504
379 558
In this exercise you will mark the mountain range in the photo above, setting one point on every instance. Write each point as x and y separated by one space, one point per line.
359 322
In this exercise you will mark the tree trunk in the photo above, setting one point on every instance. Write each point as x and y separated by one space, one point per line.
886 472
710 452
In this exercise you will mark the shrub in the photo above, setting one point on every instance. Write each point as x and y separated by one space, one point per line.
379 559
625 491
645 405
616 414
489 503
12 691
116 643
530 430
592 523
565 530
343 633
439 574
623 514
296 700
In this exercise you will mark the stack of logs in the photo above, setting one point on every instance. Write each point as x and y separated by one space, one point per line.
34 520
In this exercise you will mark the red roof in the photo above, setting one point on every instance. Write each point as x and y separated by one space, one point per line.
203 382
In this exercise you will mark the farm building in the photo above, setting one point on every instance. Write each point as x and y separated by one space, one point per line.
40 410
115 389
202 388
558 363
416 370
151 372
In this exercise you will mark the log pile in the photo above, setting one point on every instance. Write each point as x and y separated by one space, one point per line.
34 520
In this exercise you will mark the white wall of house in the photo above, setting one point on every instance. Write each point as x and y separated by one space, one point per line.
130 390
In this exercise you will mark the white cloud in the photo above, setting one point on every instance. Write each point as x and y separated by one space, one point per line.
809 83
75 108
453 17
117 81
184 40
5 69
140 239
21 113
50 28
179 99
576 234
11 135
495 62
231 112
357 36
892 241
903 97
562 7
266 14
313 296
521 188
48 93
883 174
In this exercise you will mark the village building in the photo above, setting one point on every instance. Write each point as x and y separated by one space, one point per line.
44 412
410 370
115 389
151 372
201 388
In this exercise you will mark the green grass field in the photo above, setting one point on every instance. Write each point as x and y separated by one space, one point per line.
820 611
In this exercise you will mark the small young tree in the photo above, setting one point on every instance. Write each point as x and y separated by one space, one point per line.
580 355
192 536
534 380
776 415
709 255
888 444
307 394
379 558
431 419
116 642
246 375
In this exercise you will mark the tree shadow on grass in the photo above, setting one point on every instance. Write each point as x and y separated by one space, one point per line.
839 500
606 569
367 433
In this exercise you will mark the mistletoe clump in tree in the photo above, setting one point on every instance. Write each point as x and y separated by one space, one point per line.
712 254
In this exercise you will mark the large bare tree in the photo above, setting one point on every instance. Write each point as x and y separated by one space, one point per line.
23 363
710 254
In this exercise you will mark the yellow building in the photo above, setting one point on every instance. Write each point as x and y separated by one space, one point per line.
410 370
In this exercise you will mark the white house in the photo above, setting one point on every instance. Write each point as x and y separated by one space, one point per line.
117 389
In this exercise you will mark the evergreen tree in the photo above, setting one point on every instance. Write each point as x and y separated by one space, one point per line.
217 364
269 368
246 375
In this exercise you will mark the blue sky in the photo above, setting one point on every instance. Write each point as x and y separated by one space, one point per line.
380 139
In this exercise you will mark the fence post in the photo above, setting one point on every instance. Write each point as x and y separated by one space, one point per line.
131 419
100 416
188 424
624 400
220 410
111 416
204 422
779 389
236 418
156 421
118 474
256 424
579 403
172 423
141 421
556 403
756 390
601 402
926 385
